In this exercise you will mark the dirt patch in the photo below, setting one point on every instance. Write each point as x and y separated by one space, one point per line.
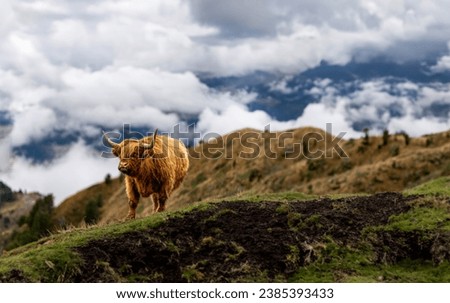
247 241
14 276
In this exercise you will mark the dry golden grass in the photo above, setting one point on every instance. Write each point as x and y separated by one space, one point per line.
370 168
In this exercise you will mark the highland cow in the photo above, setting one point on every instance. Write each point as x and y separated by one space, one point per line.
153 166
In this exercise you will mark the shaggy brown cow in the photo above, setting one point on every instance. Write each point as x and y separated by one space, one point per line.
152 166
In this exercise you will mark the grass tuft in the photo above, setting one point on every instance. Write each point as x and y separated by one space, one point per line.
436 187
53 259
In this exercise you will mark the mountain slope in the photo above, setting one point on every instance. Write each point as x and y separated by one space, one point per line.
238 163
383 237
73 210
11 213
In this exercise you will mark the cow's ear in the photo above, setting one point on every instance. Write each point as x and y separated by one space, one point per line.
147 153
143 152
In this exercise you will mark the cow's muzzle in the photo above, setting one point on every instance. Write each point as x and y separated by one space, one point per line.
123 169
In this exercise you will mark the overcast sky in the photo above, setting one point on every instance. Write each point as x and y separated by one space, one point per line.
74 65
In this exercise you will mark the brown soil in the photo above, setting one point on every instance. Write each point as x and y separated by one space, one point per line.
243 241
14 276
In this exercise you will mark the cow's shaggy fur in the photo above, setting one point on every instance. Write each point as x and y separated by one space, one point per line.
153 166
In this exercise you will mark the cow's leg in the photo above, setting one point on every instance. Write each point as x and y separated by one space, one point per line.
133 198
159 202
162 205
155 198
162 202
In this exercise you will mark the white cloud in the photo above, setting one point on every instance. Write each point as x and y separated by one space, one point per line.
275 35
319 115
5 148
282 86
34 124
402 106
139 96
231 118
38 8
227 38
109 97
181 36
443 64
422 126
78 168
237 117
7 18
132 87
76 43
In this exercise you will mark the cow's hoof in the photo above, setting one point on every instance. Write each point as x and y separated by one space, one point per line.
130 217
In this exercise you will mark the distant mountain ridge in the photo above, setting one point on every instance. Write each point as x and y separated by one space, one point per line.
284 102
289 103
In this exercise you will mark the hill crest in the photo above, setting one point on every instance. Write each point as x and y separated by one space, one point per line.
250 161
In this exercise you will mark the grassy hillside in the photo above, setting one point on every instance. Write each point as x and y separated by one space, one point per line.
376 164
11 213
290 237
73 210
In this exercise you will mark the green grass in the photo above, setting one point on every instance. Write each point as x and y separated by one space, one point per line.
53 258
282 196
333 263
420 219
336 263
52 262
286 196
405 271
428 217
436 187
345 195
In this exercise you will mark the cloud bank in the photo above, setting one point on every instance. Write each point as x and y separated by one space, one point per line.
79 168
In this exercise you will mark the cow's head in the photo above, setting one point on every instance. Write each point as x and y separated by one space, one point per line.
131 153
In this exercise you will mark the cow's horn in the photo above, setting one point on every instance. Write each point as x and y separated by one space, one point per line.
150 145
108 140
